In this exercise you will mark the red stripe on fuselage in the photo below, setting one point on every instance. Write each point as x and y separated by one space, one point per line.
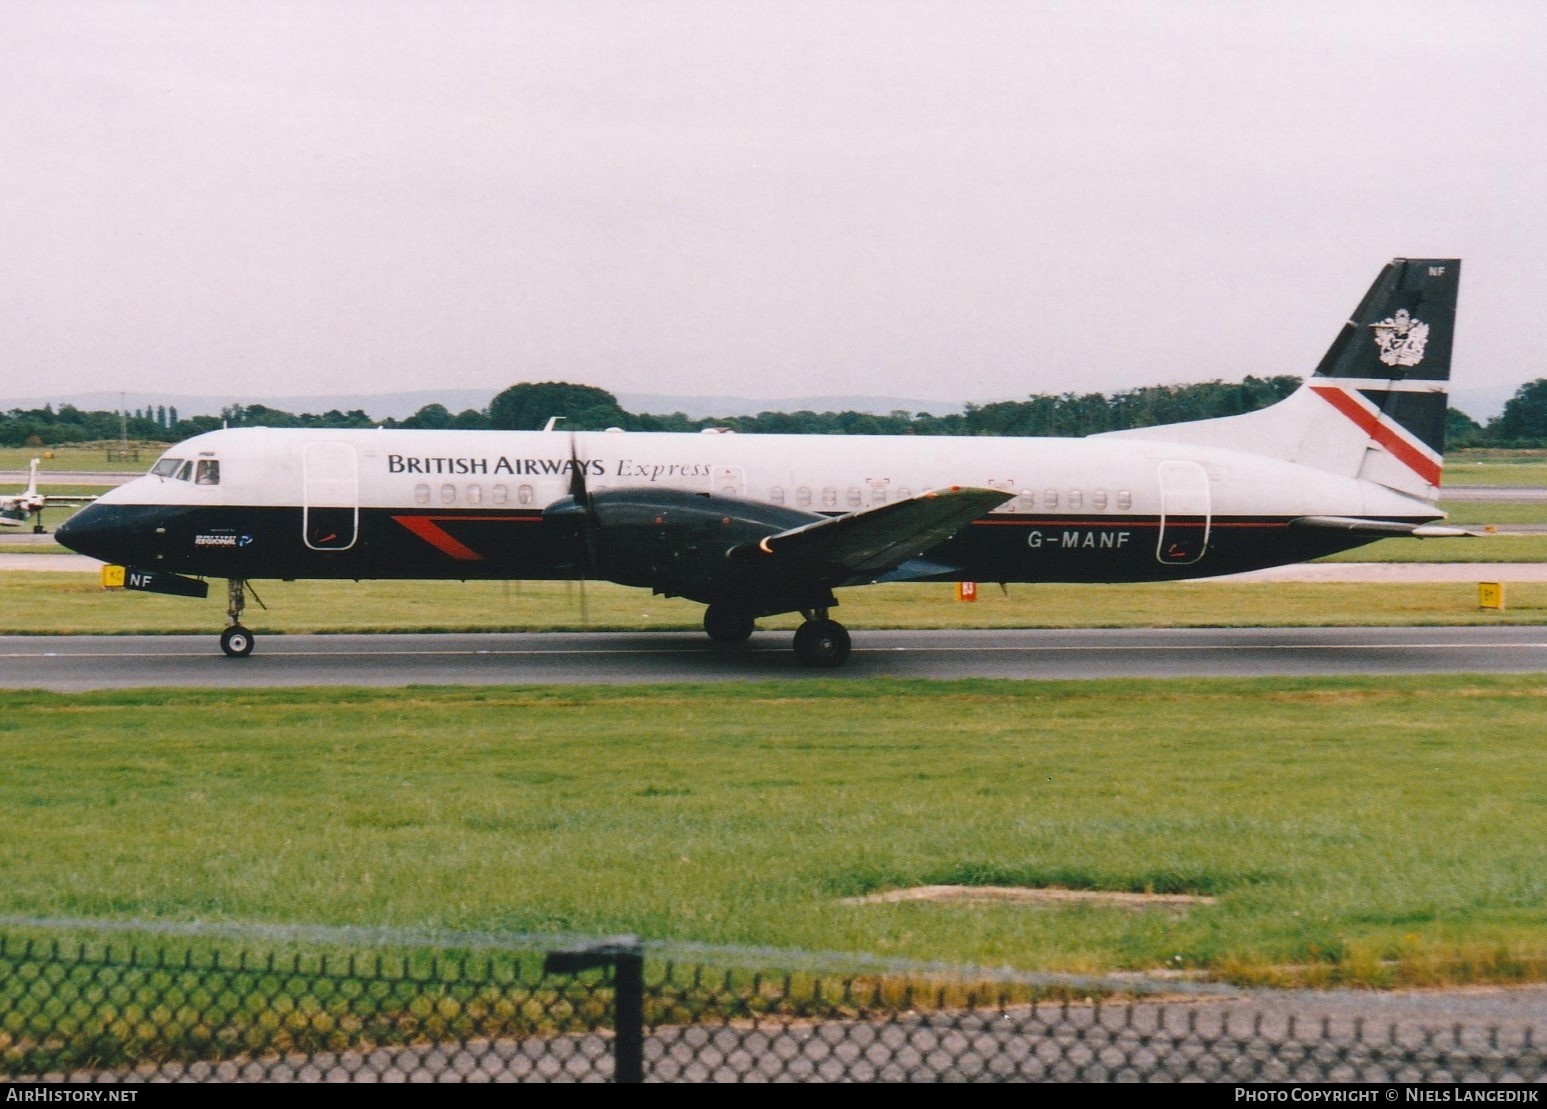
426 528
1368 422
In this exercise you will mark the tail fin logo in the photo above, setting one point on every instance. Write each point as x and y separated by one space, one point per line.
1401 339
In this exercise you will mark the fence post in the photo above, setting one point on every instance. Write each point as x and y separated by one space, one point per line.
627 959
629 1015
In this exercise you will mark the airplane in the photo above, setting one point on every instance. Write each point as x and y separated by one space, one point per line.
755 525
17 508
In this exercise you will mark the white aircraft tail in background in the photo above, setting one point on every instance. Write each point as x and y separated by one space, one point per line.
17 508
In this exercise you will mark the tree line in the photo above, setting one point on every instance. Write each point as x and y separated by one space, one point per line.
529 406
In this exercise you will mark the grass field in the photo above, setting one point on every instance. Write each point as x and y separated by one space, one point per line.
94 457
1496 467
67 603
1467 513
1370 831
1488 548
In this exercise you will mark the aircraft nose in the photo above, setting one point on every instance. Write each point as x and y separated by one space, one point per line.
95 530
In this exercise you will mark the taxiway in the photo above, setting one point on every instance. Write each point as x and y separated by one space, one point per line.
81 662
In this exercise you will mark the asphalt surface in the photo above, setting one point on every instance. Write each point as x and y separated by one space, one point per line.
68 663
1494 493
1342 1036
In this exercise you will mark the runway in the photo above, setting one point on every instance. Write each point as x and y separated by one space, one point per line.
73 663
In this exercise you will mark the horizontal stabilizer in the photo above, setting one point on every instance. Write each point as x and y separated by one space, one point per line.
1383 527
883 538
922 569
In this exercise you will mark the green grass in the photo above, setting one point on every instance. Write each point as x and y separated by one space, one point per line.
1376 830
1467 513
1496 467
41 603
78 457
1489 548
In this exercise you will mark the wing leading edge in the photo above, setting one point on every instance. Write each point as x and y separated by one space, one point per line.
877 540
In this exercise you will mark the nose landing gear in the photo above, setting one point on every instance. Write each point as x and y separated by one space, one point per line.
236 641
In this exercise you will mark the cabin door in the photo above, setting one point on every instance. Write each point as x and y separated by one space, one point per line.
330 508
1184 513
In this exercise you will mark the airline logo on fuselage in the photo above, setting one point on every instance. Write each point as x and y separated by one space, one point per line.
421 464
222 539
539 467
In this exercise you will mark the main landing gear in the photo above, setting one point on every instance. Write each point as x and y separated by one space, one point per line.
236 641
819 642
727 624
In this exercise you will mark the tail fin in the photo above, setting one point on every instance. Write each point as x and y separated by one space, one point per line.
1375 407
1388 369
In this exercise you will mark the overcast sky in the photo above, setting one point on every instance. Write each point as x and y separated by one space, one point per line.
949 200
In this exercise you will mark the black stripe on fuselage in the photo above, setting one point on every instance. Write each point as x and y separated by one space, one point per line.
248 542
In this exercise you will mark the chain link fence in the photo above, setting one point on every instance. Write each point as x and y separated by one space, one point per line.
89 1011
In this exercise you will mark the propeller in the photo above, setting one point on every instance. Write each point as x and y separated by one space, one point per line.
589 525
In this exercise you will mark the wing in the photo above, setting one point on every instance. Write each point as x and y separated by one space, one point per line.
878 540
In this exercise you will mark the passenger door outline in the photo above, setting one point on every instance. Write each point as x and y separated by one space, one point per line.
1185 513
330 501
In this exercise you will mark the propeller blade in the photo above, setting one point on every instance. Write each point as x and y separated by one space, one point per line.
590 526
577 487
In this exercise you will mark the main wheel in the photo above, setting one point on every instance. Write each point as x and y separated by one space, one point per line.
727 624
822 643
236 641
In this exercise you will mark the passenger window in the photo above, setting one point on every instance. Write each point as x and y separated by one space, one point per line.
500 494
1076 498
475 494
776 494
448 494
803 496
829 497
1098 500
878 494
1124 500
904 494
1026 501
208 472
855 497
524 494
421 493
1050 498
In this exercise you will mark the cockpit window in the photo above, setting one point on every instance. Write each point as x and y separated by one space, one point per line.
186 472
167 467
208 472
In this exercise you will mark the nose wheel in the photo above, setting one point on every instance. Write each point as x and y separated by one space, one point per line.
821 643
236 641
